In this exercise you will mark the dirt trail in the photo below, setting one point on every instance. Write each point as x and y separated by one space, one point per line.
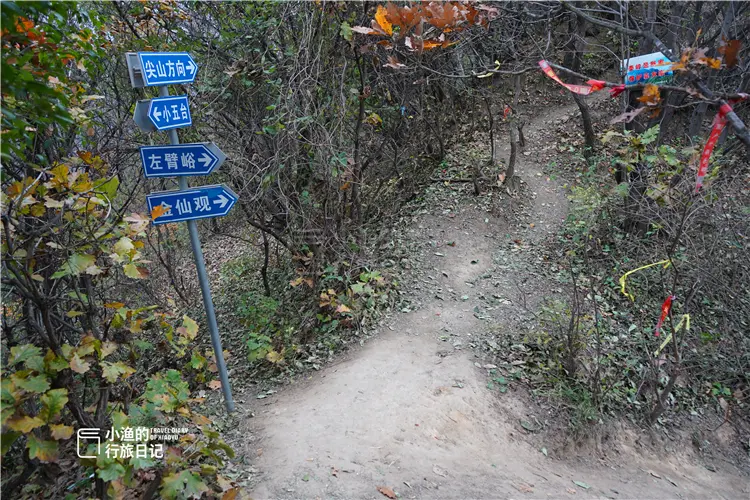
410 412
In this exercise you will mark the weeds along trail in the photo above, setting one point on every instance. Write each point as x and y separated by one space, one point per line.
411 412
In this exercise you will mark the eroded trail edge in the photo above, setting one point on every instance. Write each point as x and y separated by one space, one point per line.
411 411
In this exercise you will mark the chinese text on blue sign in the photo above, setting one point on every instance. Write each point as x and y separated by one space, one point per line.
197 203
649 68
181 159
163 68
170 112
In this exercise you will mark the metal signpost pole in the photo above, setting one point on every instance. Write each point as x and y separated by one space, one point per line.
208 302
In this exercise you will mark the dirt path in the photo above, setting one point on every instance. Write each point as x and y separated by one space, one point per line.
411 410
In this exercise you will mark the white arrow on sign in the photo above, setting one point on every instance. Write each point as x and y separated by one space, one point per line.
190 67
205 159
157 114
221 201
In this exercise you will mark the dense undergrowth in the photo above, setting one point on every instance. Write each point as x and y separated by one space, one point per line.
598 350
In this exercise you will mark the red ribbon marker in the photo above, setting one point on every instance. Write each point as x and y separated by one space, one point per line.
577 89
720 121
665 307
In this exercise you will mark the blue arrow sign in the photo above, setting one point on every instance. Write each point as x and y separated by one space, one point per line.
170 112
178 160
164 68
197 203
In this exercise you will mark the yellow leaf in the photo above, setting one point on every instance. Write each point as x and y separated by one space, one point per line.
78 365
108 348
24 424
274 357
61 431
380 17
114 305
158 211
342 309
73 314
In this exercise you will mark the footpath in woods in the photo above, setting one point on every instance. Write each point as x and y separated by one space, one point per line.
411 415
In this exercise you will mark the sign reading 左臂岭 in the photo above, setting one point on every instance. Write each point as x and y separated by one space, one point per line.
649 68
190 204
177 160
165 68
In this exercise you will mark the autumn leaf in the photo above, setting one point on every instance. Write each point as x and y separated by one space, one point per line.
214 384
627 117
381 16
78 365
274 356
364 30
393 63
112 371
76 265
160 210
114 305
341 308
52 403
135 272
45 451
729 50
651 95
24 424
387 491
61 431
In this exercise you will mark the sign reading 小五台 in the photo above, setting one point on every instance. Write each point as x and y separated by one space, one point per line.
198 203
177 160
649 68
165 68
170 112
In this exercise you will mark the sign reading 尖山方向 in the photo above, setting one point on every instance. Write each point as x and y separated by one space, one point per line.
190 204
177 160
649 68
165 68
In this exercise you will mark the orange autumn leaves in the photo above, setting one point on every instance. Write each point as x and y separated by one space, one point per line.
411 24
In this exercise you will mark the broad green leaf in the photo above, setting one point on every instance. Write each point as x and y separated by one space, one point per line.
194 487
37 384
24 424
112 371
55 363
45 451
52 403
109 187
35 363
61 431
197 361
142 463
172 485
20 353
75 265
8 392
111 472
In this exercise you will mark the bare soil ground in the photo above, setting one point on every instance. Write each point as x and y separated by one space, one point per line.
410 412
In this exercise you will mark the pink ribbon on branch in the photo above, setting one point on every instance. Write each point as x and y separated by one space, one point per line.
593 85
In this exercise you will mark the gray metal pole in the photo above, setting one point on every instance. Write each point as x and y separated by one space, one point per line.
208 302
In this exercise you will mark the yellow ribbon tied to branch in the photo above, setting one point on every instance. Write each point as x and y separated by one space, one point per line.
624 277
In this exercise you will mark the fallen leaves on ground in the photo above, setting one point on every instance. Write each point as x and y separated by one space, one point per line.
387 491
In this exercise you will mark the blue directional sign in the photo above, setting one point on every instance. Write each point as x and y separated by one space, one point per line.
179 160
164 68
170 112
197 203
